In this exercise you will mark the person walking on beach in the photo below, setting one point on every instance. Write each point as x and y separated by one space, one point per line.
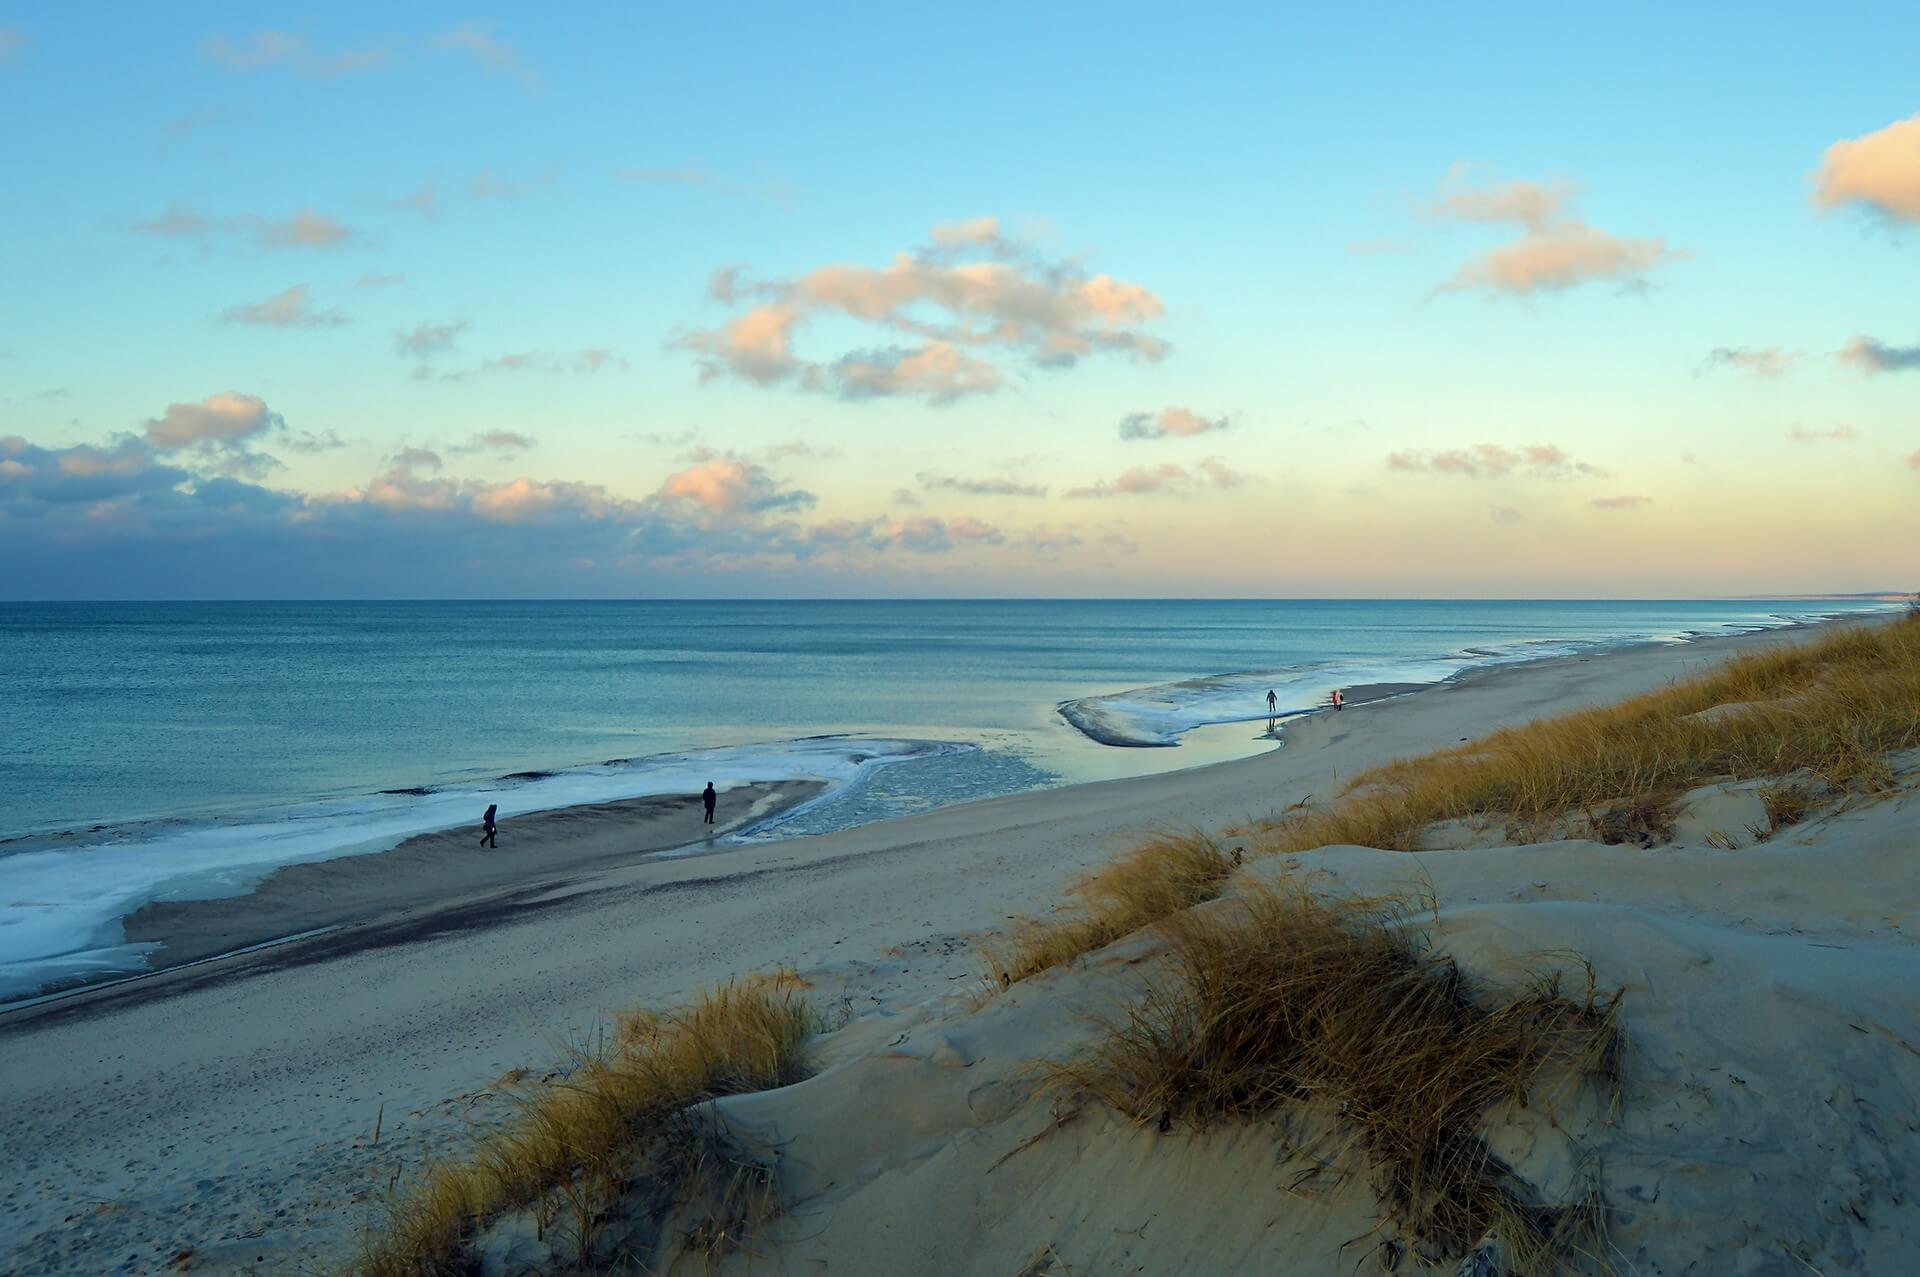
709 798
487 826
1339 701
1273 703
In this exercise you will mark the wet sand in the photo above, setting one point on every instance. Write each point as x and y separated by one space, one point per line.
448 869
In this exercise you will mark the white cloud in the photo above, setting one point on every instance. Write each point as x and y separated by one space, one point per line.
426 339
979 487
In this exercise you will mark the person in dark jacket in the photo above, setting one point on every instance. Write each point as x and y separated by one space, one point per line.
487 826
709 798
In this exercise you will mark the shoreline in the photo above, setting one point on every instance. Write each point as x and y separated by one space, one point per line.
228 1106
426 873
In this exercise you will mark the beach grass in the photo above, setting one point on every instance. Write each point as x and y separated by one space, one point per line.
622 1113
1165 875
1827 712
1824 716
1280 1002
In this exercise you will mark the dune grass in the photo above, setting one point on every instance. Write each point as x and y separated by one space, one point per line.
1281 1002
1832 710
621 1112
1166 874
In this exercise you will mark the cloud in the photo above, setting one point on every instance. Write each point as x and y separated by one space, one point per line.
216 432
219 419
730 485
1914 460
1504 514
310 442
304 229
12 40
1164 478
906 497
1555 249
1170 422
979 487
425 201
288 309
1378 247
374 280
285 50
184 126
964 308
697 177
1492 461
1872 356
1049 540
475 40
411 459
177 221
1879 171
1758 361
496 441
1622 502
486 185
1838 434
427 339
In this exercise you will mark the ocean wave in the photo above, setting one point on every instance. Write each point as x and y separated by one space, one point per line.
62 897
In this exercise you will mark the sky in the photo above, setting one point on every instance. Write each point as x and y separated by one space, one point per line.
1208 300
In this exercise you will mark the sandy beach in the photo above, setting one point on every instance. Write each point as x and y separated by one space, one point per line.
221 1117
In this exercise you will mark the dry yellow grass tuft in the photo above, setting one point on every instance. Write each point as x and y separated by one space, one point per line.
1832 709
1281 1002
1163 876
623 1111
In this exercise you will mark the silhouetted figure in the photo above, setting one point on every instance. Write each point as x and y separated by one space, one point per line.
709 798
1273 703
487 825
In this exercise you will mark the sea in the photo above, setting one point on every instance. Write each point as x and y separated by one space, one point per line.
186 750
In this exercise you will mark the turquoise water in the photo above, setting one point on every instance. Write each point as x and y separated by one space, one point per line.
169 749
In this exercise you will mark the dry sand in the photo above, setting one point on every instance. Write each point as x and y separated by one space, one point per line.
229 1107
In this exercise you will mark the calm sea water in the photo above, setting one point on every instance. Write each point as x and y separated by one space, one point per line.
173 749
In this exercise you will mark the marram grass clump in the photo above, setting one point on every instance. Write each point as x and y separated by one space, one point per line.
1830 711
1166 874
579 1142
1280 1002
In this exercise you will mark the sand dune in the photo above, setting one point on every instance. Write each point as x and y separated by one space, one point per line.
228 1109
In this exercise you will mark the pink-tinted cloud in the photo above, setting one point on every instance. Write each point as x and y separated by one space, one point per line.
1555 250
1871 356
1171 422
964 307
304 229
1914 460
223 419
730 486
291 308
1879 171
1838 434
1493 461
1625 501
1758 361
1164 478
